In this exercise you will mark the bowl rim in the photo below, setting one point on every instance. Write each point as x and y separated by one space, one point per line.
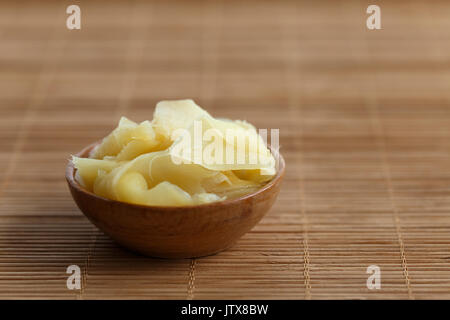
70 178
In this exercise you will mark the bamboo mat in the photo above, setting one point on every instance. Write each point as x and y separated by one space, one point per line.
364 119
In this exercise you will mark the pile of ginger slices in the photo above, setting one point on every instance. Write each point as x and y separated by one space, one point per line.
158 162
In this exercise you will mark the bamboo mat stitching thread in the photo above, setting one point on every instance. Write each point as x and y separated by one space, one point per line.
374 114
380 139
388 177
295 107
191 280
87 263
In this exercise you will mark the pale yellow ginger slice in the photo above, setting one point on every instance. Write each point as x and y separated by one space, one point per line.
103 184
87 169
106 184
155 167
241 143
137 147
183 157
113 143
254 175
224 145
218 179
189 177
176 114
202 198
133 188
233 186
127 141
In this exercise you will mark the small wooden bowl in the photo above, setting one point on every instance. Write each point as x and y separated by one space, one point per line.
175 232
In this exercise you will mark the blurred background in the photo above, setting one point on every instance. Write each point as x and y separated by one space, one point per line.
364 119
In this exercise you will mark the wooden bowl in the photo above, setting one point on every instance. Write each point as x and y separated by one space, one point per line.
175 232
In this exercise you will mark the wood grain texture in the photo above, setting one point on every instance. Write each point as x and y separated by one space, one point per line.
364 119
